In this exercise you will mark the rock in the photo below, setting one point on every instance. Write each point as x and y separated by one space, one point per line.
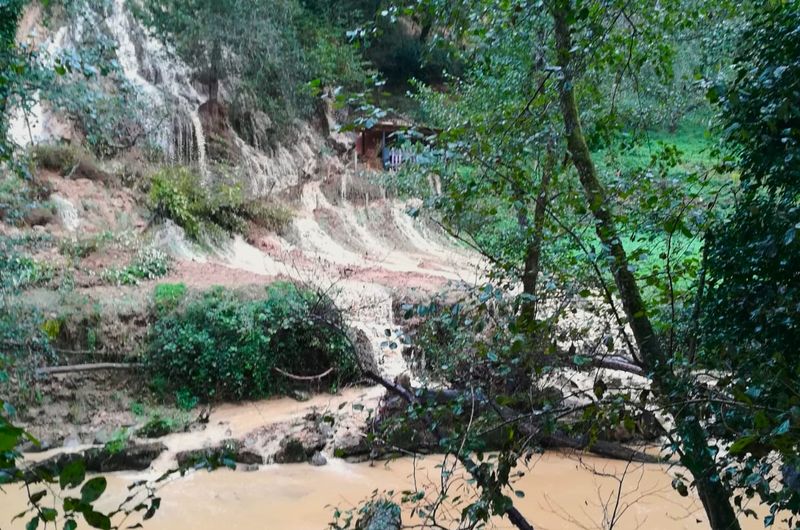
318 459
72 441
249 468
325 429
381 514
291 452
66 211
232 450
300 447
364 351
133 457
39 216
300 395
102 437
43 445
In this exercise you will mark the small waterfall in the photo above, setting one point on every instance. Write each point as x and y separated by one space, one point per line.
166 84
200 138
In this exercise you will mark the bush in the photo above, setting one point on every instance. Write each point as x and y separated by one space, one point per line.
220 346
69 161
149 264
18 271
270 215
167 296
177 193
82 247
20 197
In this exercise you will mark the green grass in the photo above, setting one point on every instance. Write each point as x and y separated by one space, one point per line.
692 141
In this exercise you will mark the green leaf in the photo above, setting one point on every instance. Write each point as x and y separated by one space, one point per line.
70 524
97 520
72 475
36 497
519 493
9 437
93 489
49 514
33 524
740 445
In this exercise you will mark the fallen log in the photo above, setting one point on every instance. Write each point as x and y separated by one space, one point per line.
304 377
602 448
89 367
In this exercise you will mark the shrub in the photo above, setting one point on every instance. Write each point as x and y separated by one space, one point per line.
69 161
168 295
149 264
20 197
177 193
270 215
221 346
81 247
18 271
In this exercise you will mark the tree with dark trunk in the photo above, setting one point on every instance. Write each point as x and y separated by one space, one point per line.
696 454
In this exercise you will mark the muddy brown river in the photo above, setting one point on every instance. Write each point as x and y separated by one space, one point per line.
560 491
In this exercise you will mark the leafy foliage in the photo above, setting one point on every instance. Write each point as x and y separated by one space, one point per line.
221 346
149 264
751 319
179 194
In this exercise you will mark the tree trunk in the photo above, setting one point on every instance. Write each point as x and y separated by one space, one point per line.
696 456
533 252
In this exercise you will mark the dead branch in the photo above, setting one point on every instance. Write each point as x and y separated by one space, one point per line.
91 367
304 377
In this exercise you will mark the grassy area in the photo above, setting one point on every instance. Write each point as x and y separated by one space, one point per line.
690 148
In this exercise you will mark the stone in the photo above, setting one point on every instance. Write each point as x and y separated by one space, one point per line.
300 395
318 459
132 457
72 441
39 216
300 447
102 437
227 450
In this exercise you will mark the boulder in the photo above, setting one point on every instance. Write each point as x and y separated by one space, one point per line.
39 216
232 450
132 457
365 353
300 447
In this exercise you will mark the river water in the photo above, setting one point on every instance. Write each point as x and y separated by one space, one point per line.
560 491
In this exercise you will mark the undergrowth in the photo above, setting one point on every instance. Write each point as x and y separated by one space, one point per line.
221 346
149 264
178 193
